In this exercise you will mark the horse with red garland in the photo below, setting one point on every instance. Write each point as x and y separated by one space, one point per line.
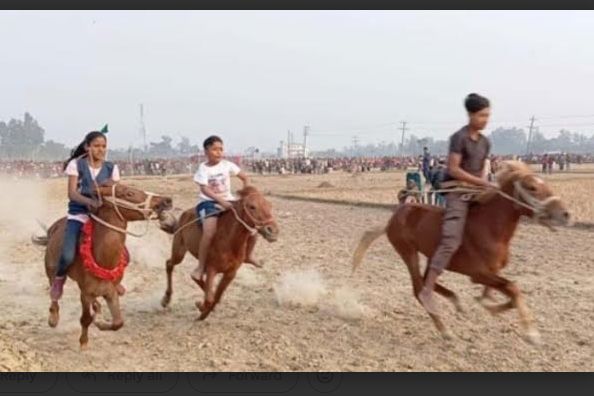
102 257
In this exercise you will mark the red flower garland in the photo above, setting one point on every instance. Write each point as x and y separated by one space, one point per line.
86 253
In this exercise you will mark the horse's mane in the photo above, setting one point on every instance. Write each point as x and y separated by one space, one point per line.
511 171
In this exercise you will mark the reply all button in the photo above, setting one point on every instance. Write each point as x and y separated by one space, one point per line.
243 382
122 382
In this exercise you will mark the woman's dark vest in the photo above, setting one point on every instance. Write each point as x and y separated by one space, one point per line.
85 183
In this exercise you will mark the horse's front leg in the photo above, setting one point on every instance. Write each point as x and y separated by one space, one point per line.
249 252
113 303
86 319
209 294
223 284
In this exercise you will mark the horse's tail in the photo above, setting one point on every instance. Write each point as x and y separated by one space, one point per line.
366 240
41 240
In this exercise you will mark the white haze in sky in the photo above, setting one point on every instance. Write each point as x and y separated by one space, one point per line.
252 75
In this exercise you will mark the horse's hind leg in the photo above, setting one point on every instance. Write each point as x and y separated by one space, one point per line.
486 295
86 319
510 289
411 258
450 295
117 321
178 251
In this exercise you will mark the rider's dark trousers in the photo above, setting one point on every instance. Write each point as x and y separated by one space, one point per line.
452 231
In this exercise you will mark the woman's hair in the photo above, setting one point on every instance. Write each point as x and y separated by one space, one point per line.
475 102
211 140
80 149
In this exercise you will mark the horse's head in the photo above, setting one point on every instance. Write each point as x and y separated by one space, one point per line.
518 180
257 212
131 203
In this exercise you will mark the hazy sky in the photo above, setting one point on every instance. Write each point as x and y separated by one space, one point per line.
252 75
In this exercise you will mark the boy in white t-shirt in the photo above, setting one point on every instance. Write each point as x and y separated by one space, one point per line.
214 179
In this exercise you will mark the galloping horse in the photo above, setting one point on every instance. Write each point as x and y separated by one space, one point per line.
490 226
251 214
106 251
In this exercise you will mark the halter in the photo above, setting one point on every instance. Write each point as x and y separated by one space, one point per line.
537 206
143 208
258 225
521 197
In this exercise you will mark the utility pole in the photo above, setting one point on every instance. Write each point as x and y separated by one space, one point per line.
305 134
403 128
530 129
142 127
289 143
355 145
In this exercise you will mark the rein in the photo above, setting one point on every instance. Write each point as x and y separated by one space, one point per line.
252 230
118 203
521 197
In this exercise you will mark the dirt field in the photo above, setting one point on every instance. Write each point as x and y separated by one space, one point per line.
302 311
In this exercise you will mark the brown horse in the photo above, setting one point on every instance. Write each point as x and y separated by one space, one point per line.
251 214
121 205
490 226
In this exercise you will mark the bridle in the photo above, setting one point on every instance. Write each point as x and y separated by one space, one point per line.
118 203
258 225
537 206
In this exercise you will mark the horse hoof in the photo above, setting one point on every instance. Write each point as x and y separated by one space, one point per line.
52 323
533 337
84 345
165 301
447 335
103 326
459 308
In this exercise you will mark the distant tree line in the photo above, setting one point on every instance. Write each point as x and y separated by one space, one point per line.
25 139
504 141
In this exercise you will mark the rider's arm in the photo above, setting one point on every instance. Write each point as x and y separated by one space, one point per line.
454 170
244 178
73 193
206 190
486 169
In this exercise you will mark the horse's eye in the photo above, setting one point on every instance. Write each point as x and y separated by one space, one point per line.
531 188
252 207
129 194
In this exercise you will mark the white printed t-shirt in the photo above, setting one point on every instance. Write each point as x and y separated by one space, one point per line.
72 170
218 178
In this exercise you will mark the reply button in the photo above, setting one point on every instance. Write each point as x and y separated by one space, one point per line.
243 382
27 382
